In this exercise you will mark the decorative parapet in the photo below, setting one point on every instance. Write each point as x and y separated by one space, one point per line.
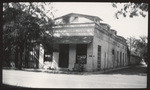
84 29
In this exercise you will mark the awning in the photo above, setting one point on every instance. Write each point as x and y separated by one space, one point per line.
73 39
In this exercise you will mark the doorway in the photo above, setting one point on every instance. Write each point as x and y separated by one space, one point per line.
63 55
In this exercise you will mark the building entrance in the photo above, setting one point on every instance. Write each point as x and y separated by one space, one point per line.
63 55
81 53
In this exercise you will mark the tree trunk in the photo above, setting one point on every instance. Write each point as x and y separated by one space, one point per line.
16 57
4 56
21 49
19 60
26 57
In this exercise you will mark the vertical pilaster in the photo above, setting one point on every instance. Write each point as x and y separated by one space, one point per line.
41 56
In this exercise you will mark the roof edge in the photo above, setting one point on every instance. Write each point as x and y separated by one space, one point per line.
83 15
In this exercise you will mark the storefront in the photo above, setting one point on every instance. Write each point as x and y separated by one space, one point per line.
69 55
83 43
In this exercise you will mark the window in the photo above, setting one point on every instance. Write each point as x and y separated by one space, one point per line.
117 58
47 56
66 19
74 19
113 52
99 58
81 53
123 47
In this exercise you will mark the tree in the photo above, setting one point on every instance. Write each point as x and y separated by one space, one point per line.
22 27
131 9
139 47
35 9
19 33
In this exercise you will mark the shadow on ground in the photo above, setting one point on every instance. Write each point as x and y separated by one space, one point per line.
5 86
133 70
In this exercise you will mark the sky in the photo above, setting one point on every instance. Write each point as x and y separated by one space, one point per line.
126 27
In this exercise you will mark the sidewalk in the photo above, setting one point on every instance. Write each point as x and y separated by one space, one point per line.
79 73
73 72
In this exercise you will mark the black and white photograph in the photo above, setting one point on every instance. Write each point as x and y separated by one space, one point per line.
77 45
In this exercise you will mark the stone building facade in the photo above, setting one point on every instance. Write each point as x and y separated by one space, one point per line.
83 41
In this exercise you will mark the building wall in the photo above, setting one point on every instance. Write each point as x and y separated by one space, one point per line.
101 41
90 63
108 60
55 60
74 30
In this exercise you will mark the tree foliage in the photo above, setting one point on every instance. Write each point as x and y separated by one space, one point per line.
35 9
139 46
22 30
130 9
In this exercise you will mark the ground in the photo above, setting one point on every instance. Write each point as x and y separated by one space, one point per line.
132 77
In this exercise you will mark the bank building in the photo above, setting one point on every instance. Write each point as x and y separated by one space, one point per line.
84 42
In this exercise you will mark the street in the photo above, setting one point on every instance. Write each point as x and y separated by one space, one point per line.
134 77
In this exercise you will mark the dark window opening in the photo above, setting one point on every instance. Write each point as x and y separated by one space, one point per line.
113 52
47 56
81 53
117 58
99 58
